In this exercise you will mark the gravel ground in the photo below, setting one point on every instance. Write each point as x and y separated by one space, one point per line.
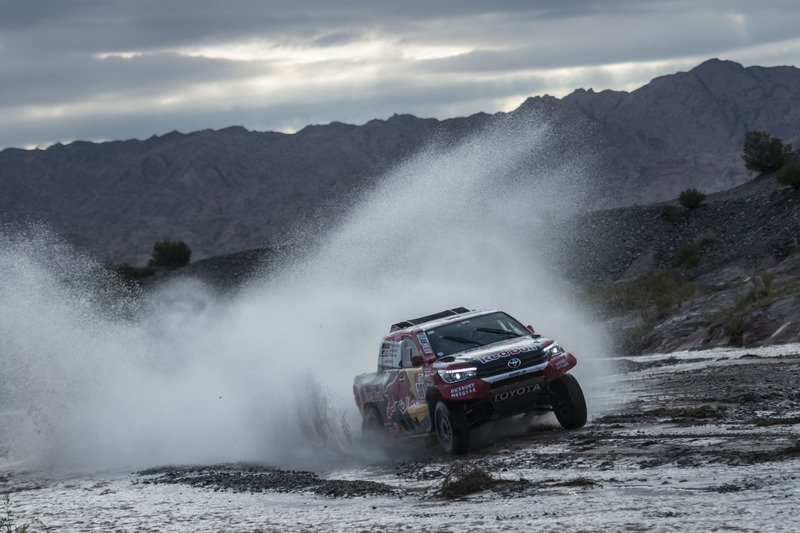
748 406
677 442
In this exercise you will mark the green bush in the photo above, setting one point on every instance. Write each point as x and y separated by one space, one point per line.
737 325
789 174
764 153
170 255
664 303
691 198
687 255
131 274
671 212
686 291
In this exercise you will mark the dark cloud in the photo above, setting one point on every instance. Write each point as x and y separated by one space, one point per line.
16 14
61 82
431 58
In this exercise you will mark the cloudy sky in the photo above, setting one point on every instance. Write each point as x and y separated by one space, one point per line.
121 69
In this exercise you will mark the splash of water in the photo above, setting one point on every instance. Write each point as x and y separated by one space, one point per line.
267 375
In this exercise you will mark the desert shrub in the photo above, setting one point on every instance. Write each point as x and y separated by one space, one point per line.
664 303
170 254
786 288
789 174
761 288
8 523
657 289
687 255
686 291
763 152
670 212
742 300
767 279
737 325
660 282
464 479
691 198
756 291
660 290
132 275
705 238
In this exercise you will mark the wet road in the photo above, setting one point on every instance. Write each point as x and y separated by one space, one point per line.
678 442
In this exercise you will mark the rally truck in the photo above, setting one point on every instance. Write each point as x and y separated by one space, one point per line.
453 371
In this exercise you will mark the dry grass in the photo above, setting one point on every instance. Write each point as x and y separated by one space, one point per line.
464 479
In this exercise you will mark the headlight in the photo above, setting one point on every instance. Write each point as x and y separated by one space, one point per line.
457 374
553 349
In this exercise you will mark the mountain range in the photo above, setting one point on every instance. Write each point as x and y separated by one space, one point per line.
223 191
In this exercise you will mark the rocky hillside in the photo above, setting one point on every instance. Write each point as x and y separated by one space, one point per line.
231 190
739 232
665 277
219 191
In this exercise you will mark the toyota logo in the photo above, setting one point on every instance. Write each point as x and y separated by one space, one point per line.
514 363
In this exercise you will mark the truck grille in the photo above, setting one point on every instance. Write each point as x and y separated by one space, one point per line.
496 370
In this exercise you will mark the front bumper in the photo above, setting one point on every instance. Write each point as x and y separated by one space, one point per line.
510 393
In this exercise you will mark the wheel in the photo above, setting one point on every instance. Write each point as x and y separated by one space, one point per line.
372 423
568 402
451 428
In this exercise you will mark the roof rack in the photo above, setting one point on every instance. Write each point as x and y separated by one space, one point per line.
422 320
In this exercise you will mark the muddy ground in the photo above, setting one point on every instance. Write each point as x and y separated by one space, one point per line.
687 441
682 413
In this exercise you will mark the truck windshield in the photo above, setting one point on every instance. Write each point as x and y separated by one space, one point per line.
473 333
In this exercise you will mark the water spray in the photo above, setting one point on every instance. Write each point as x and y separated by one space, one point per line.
185 376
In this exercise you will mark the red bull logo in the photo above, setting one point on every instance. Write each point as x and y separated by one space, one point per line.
400 392
506 353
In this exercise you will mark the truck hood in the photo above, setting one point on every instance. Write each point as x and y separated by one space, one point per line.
494 358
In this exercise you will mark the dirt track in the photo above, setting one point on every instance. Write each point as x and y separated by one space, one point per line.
689 441
680 414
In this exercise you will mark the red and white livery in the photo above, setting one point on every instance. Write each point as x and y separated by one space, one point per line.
455 370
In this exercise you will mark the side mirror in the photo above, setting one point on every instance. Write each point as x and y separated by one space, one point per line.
530 328
416 360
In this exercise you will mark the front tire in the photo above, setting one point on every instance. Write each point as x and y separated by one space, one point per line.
568 402
451 428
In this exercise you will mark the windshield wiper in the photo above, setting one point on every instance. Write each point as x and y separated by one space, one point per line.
462 340
499 332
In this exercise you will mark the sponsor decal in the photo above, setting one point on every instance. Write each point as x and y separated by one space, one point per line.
561 362
463 390
506 353
421 386
400 393
373 396
514 393
425 343
389 356
514 363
